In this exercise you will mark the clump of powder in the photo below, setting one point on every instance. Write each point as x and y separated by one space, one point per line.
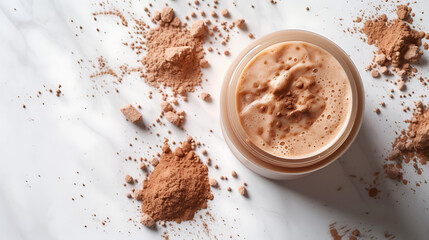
412 145
178 186
131 113
174 54
172 115
398 44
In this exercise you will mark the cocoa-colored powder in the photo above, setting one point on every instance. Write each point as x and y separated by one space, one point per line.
403 12
412 145
178 186
175 117
334 232
397 43
372 192
345 232
115 13
174 55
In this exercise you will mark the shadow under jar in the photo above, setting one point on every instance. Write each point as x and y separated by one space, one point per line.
291 103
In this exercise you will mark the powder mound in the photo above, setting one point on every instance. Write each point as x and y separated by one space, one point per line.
394 39
398 44
174 54
178 186
413 144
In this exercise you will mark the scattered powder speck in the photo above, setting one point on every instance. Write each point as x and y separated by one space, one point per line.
342 231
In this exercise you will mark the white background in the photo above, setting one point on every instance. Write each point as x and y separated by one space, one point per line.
76 133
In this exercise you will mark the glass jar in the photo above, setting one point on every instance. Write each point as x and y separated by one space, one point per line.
262 162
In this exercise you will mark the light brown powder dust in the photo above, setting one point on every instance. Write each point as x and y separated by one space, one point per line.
178 186
398 44
173 57
412 146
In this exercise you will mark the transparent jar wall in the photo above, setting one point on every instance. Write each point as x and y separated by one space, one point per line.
258 161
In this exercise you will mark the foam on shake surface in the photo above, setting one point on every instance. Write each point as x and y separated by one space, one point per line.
293 99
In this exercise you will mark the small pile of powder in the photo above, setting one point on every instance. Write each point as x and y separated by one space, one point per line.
177 187
398 44
174 54
412 145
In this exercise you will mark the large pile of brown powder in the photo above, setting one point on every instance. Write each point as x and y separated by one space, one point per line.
174 54
395 39
398 44
177 187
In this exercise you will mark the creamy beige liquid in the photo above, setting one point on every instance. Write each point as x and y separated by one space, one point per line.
293 99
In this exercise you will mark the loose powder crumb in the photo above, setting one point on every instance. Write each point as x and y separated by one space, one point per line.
138 195
377 110
131 113
242 190
167 14
175 117
213 182
154 162
403 12
205 96
224 12
397 43
129 179
401 85
204 63
198 29
240 23
147 221
142 166
373 192
375 73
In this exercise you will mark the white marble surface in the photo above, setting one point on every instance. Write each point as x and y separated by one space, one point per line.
44 146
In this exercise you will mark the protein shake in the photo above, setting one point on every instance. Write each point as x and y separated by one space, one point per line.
293 99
